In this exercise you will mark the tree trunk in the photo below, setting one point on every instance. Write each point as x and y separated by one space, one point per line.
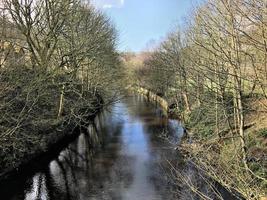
61 102
187 105
241 125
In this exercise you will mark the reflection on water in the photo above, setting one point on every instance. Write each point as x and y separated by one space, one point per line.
131 159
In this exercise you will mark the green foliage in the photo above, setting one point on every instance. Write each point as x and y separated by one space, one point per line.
201 122
263 132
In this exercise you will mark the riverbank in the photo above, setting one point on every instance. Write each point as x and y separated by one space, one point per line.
168 107
219 158
153 97
46 139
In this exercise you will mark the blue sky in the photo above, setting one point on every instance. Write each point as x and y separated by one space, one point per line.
141 22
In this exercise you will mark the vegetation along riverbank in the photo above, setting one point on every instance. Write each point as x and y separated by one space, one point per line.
58 63
215 72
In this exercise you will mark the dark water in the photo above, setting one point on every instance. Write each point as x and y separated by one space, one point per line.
133 159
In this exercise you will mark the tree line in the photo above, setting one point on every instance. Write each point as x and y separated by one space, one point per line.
58 65
215 72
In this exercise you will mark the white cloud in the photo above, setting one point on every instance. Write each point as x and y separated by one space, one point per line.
106 4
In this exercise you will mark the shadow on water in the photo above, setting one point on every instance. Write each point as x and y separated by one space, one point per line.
125 154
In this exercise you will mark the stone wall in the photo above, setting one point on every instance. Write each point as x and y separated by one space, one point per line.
153 97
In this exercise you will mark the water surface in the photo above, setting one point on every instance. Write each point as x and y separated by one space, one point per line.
133 153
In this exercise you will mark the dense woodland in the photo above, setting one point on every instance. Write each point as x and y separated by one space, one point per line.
214 72
58 66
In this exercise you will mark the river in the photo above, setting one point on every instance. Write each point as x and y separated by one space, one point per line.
128 154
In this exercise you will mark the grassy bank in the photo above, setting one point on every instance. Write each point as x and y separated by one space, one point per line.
217 151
